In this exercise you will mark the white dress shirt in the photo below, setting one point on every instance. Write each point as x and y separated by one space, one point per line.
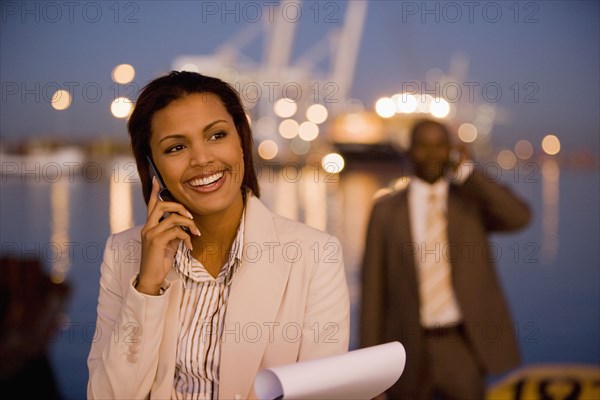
201 321
418 201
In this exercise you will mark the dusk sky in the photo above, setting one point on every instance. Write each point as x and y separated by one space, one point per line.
545 52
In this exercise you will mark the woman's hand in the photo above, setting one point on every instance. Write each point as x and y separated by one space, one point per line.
160 240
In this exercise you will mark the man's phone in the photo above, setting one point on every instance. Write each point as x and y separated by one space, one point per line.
454 156
163 192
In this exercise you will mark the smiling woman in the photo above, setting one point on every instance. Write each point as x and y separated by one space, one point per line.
161 92
172 298
194 141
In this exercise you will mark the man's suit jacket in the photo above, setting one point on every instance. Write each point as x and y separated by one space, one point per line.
390 298
288 302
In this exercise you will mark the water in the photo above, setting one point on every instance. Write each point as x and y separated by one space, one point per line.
550 271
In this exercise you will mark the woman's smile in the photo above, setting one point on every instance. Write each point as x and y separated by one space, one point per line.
209 183
208 180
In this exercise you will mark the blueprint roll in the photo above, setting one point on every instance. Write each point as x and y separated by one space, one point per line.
358 374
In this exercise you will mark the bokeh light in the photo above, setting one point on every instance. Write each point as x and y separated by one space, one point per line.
61 100
288 128
121 107
423 102
405 103
506 159
524 149
362 127
385 107
268 149
308 131
123 73
551 145
439 108
467 132
333 163
316 113
285 107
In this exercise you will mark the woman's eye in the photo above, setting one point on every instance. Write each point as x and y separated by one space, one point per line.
175 148
218 135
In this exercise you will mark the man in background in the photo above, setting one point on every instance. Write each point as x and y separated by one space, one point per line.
428 276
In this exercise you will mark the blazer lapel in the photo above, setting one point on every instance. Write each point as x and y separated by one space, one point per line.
253 303
453 216
165 373
458 226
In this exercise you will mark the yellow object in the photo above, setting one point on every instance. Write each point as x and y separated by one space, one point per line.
549 381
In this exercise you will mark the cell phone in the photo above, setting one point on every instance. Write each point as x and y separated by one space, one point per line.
163 192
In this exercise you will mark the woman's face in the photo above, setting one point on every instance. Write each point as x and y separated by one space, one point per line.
197 150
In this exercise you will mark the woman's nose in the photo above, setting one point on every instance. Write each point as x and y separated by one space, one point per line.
201 155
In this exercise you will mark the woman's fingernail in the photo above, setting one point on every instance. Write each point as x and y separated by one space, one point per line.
189 214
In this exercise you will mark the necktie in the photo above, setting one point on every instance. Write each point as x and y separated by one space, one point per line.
438 305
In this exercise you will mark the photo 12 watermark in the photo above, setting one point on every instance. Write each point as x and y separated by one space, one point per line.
452 12
315 91
327 12
54 12
250 92
52 92
473 91
126 172
470 252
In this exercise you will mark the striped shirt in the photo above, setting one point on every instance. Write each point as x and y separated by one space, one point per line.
201 319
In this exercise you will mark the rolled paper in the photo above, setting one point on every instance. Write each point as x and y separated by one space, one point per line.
358 374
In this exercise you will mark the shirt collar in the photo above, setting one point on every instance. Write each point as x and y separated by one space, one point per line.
238 242
422 188
190 268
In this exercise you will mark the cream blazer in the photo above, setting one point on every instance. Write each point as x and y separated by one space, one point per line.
288 302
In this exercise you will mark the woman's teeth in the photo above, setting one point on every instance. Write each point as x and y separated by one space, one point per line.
207 180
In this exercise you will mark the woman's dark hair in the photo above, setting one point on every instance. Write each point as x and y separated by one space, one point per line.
159 93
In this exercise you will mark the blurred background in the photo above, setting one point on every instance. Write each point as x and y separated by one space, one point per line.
332 89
